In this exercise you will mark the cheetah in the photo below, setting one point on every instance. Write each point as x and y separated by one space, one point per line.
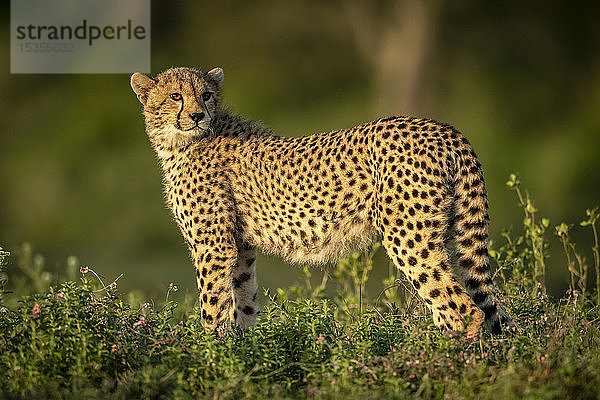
234 186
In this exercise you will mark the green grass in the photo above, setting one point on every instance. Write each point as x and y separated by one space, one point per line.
87 340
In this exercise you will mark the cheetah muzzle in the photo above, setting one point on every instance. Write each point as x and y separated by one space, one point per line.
234 186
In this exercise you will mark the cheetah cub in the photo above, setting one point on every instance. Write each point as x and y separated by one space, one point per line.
234 186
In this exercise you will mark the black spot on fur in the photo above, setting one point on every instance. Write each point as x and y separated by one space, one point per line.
479 297
489 310
237 282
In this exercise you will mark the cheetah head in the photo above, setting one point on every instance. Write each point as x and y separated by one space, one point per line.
179 104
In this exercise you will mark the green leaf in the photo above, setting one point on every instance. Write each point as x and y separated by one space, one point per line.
562 229
513 180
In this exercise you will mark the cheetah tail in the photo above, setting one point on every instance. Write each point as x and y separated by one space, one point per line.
472 222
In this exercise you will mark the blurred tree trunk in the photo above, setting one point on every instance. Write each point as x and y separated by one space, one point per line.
396 38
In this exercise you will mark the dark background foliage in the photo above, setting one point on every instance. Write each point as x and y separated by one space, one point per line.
520 79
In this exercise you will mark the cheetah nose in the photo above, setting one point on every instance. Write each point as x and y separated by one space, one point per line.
197 117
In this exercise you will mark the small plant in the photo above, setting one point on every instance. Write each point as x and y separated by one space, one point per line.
398 295
32 267
536 251
576 263
351 275
3 276
593 216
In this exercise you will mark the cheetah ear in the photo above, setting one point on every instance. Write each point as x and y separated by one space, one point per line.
141 85
216 75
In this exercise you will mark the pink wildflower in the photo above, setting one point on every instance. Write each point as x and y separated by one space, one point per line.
60 296
405 323
320 340
36 310
113 348
142 321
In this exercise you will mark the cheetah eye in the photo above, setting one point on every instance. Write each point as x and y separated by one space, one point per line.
175 96
206 96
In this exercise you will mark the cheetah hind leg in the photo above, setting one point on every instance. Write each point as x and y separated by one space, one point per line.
422 257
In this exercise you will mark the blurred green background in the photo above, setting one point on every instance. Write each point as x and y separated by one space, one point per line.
520 79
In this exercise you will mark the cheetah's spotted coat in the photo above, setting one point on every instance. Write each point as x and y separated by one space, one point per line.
234 186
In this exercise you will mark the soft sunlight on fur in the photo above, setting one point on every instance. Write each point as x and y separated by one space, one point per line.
233 186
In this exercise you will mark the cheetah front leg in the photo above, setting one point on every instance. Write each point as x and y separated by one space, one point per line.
215 266
244 310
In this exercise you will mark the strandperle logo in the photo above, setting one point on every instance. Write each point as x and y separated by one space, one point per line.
79 36
87 32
